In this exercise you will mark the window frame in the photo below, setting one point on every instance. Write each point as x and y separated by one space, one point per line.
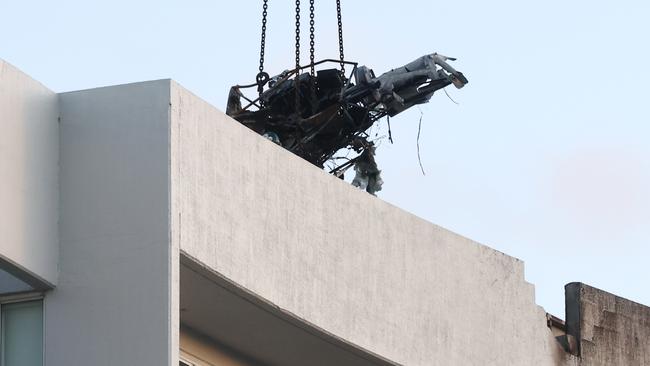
184 362
18 298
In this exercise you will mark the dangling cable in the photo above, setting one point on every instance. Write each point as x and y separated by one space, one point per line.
418 141
448 96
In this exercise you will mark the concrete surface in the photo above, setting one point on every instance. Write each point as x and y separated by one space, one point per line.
341 259
204 351
107 186
222 310
29 145
610 330
112 303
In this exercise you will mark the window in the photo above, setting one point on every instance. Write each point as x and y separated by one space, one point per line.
21 333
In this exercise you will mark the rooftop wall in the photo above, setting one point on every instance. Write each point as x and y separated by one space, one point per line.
341 259
29 145
102 187
610 330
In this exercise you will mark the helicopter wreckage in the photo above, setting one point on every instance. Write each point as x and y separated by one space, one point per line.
314 115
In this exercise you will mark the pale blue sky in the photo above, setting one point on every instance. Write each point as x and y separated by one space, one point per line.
546 158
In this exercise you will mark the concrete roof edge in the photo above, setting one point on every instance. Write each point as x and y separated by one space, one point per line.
32 279
268 306
4 62
168 81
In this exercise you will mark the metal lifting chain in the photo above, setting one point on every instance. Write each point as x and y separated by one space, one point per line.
338 15
265 8
311 37
297 35
262 78
312 80
297 82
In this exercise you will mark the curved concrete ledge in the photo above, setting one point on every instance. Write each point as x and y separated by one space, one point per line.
220 309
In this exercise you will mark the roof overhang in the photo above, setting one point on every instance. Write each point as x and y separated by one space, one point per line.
233 316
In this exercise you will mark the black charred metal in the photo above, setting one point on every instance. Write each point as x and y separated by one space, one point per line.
316 116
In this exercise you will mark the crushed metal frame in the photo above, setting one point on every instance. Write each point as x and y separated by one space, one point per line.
317 114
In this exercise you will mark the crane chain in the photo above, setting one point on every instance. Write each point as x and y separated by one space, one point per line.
262 78
297 35
265 8
338 16
311 37
312 79
297 80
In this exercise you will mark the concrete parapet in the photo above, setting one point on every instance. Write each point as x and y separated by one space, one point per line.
341 259
609 330
124 197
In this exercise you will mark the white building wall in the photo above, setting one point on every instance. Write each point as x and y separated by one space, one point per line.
136 182
29 145
341 259
112 303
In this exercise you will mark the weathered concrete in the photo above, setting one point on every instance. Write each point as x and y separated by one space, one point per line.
29 145
341 259
610 330
146 170
222 310
112 303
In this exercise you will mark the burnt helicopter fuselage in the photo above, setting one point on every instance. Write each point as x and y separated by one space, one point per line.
314 116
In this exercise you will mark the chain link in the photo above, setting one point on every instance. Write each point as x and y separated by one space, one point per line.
311 37
297 34
265 8
312 80
297 80
262 78
338 16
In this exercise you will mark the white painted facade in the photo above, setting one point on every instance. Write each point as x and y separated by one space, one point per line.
115 287
158 224
29 159
342 259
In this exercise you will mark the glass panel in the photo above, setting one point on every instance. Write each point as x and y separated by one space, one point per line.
22 334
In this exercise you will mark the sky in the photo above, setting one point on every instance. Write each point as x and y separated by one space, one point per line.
545 157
